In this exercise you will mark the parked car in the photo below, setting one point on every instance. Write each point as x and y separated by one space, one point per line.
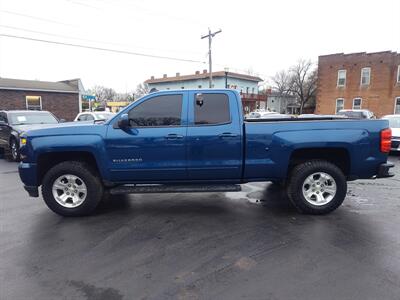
15 122
94 116
197 141
394 123
357 113
266 115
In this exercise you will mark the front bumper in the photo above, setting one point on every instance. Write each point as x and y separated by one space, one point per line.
384 170
28 175
33 191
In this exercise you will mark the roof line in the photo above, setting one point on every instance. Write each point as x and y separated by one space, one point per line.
37 90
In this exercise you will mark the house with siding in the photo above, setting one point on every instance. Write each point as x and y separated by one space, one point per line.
246 85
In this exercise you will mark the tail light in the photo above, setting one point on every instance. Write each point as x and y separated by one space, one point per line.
386 140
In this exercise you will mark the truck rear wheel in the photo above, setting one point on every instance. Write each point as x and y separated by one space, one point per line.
72 188
317 187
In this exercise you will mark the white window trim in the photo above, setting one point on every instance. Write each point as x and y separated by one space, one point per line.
398 74
345 78
395 102
26 101
369 77
336 107
360 102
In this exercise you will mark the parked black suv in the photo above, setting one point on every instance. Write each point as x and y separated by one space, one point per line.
15 122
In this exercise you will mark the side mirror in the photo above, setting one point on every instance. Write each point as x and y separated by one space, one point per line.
123 121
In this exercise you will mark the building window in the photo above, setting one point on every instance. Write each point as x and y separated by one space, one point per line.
365 76
252 90
341 78
357 103
398 74
247 90
397 106
33 102
339 104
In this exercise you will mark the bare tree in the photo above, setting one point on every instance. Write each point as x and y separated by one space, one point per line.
282 81
103 94
304 82
299 81
141 90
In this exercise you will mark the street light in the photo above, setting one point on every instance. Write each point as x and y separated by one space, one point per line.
226 76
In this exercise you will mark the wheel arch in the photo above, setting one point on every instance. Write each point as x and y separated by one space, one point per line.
336 155
47 160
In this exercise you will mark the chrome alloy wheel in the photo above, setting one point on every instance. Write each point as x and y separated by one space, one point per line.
69 191
14 150
319 188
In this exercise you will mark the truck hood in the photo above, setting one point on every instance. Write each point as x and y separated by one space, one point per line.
68 128
24 128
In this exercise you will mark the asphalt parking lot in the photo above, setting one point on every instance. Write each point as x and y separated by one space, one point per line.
202 246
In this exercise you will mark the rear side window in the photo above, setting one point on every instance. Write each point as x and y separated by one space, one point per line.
163 110
82 117
211 109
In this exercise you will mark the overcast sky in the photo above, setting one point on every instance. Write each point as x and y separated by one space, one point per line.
261 36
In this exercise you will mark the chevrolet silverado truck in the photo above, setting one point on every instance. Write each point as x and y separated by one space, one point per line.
199 141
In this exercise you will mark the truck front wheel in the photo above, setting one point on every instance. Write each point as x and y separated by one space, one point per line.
72 188
317 187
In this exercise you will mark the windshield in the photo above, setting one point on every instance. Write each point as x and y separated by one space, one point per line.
25 118
352 114
394 122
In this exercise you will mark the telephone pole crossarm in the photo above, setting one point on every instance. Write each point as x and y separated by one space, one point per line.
210 36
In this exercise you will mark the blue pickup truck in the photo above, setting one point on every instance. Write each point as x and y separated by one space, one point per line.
198 141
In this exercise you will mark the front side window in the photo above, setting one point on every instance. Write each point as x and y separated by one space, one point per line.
211 109
33 103
339 104
397 106
341 78
162 110
365 76
357 103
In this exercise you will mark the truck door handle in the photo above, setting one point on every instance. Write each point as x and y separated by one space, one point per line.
173 136
227 135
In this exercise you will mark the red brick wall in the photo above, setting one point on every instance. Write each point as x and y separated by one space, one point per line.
63 105
379 96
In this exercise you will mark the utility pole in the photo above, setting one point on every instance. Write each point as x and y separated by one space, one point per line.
210 35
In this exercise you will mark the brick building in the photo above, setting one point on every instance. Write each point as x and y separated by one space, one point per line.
62 98
359 80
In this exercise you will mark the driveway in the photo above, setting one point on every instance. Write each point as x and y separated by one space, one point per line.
202 246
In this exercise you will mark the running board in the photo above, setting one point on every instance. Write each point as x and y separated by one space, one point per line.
159 188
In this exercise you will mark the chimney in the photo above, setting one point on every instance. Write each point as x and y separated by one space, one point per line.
165 76
152 78
197 73
204 71
178 74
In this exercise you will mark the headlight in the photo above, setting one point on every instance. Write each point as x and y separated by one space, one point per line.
22 141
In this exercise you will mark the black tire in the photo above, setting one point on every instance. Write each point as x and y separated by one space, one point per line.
14 154
298 176
89 177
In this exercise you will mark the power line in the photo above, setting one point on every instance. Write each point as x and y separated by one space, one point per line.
101 49
89 40
35 18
